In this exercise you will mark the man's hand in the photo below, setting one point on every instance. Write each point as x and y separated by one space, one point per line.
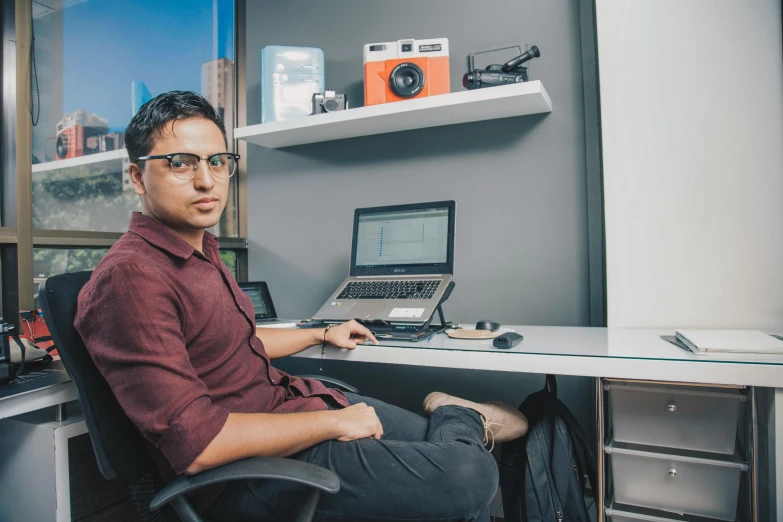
348 335
358 422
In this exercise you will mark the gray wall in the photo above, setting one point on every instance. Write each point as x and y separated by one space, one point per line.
519 183
521 244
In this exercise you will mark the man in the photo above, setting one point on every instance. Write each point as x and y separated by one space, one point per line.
175 338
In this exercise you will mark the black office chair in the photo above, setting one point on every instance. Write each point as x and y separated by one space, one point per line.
119 448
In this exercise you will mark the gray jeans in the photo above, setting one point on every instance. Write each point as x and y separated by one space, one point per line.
435 470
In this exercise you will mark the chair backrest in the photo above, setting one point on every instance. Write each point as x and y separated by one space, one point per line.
119 448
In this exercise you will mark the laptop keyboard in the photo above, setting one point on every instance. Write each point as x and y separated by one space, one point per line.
423 289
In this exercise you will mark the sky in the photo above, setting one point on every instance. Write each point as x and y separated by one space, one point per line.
107 44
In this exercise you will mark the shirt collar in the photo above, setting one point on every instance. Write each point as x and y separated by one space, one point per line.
161 236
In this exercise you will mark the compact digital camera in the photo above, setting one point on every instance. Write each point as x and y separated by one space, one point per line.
405 69
112 141
329 101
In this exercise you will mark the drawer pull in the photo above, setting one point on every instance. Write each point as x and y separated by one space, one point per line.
672 472
672 407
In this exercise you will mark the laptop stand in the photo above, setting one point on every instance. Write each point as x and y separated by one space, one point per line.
410 332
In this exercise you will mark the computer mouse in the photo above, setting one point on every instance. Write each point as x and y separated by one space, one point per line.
486 324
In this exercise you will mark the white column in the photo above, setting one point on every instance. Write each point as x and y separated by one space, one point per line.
692 126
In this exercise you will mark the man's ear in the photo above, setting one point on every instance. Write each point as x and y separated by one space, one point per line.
136 177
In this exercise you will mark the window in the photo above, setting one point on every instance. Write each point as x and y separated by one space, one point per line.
229 258
94 64
52 261
97 62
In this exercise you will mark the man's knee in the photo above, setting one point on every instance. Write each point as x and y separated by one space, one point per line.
472 481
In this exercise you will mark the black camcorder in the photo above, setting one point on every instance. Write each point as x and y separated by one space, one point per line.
497 74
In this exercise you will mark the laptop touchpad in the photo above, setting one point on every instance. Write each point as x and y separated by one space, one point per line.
370 310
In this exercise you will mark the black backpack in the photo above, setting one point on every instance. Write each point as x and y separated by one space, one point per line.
542 474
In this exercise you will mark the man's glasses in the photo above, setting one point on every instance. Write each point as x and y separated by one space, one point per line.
184 165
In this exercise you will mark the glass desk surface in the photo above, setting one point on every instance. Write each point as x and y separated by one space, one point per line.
622 343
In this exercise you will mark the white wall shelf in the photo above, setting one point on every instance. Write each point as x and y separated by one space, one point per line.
103 161
447 109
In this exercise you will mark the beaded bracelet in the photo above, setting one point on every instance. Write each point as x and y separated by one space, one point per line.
323 345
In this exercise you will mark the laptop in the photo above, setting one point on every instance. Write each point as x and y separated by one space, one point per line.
262 303
402 261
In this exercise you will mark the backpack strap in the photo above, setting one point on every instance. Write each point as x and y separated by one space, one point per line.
550 384
538 465
584 452
513 460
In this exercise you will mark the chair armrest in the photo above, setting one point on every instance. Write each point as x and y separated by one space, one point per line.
344 386
251 468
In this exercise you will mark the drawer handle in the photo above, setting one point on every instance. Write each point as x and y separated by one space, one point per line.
672 472
672 407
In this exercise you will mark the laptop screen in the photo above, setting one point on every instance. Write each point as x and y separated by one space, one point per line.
404 239
262 301
258 302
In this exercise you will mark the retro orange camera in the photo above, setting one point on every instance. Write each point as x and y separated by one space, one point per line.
405 69
78 134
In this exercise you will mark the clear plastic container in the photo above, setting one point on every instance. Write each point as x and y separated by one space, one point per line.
675 481
615 515
626 515
621 513
700 419
289 78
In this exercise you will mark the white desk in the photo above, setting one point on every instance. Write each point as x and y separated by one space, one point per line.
43 388
588 352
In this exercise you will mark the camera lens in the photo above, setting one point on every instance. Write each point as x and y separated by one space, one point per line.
471 80
406 80
62 146
330 105
406 48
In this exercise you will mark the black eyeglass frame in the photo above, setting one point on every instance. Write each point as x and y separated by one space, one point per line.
169 157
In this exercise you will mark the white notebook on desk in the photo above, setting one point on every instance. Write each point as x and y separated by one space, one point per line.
711 342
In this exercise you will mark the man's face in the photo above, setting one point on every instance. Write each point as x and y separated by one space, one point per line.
184 206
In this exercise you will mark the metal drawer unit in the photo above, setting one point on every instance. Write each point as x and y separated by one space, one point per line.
673 451
675 417
675 481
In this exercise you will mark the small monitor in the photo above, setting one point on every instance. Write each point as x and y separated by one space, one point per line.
404 239
262 300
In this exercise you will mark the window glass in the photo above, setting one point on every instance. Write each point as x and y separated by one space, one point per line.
229 258
52 261
96 63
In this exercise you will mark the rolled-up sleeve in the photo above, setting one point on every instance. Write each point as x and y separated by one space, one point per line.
132 321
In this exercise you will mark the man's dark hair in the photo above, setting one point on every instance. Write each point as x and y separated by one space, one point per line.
153 116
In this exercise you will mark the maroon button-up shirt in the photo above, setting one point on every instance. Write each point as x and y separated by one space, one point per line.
174 336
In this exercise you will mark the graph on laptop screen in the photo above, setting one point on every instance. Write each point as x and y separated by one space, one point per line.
407 237
258 302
